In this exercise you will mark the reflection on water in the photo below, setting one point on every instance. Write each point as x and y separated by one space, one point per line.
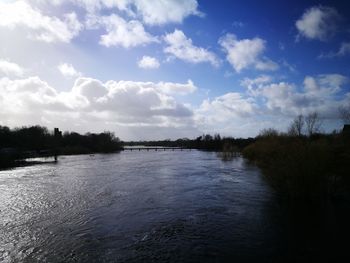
228 156
156 207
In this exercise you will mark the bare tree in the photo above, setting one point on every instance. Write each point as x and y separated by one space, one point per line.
296 127
270 132
313 123
344 112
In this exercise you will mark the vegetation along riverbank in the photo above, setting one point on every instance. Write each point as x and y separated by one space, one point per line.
35 141
307 165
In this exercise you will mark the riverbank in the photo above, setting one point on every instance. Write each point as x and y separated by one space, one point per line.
8 161
19 144
316 167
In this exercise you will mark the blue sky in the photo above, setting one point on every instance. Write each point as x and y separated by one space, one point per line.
173 68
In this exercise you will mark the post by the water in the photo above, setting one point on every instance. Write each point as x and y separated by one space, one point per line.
58 137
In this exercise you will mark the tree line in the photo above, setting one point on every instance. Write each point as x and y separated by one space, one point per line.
18 142
204 142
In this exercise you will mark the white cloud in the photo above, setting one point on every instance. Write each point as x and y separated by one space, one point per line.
227 114
280 96
142 102
344 50
148 62
120 32
320 93
181 47
318 22
290 67
331 82
8 68
150 12
231 104
92 103
128 106
247 82
24 97
177 88
254 85
245 53
266 64
68 71
162 12
40 27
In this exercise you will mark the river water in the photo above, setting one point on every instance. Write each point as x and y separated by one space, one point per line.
139 206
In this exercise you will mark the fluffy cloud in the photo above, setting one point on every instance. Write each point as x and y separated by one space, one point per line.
230 105
254 85
130 107
320 93
319 22
121 32
245 53
162 12
148 62
114 103
229 114
21 100
151 12
68 71
331 82
176 88
10 69
41 27
181 47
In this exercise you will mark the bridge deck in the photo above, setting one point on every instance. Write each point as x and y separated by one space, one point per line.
155 148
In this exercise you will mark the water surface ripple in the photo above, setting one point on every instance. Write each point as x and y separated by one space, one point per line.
161 206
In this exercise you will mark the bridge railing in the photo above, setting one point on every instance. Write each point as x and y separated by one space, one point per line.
155 148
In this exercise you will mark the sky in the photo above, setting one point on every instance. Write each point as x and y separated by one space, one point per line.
167 69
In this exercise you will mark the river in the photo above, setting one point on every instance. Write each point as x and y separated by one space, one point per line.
139 206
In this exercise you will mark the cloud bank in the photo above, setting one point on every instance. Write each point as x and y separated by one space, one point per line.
131 105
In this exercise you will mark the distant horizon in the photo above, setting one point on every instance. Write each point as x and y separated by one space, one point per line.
176 138
149 70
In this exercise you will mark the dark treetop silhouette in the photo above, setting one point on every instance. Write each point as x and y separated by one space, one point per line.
19 143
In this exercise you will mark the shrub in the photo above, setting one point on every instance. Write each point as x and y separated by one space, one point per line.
302 167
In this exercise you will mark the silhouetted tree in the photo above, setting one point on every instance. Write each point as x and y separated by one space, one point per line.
5 137
296 127
313 123
37 138
270 132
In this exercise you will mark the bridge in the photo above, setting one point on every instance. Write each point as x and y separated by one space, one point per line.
154 148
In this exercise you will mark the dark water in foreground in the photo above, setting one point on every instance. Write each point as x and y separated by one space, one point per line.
171 206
